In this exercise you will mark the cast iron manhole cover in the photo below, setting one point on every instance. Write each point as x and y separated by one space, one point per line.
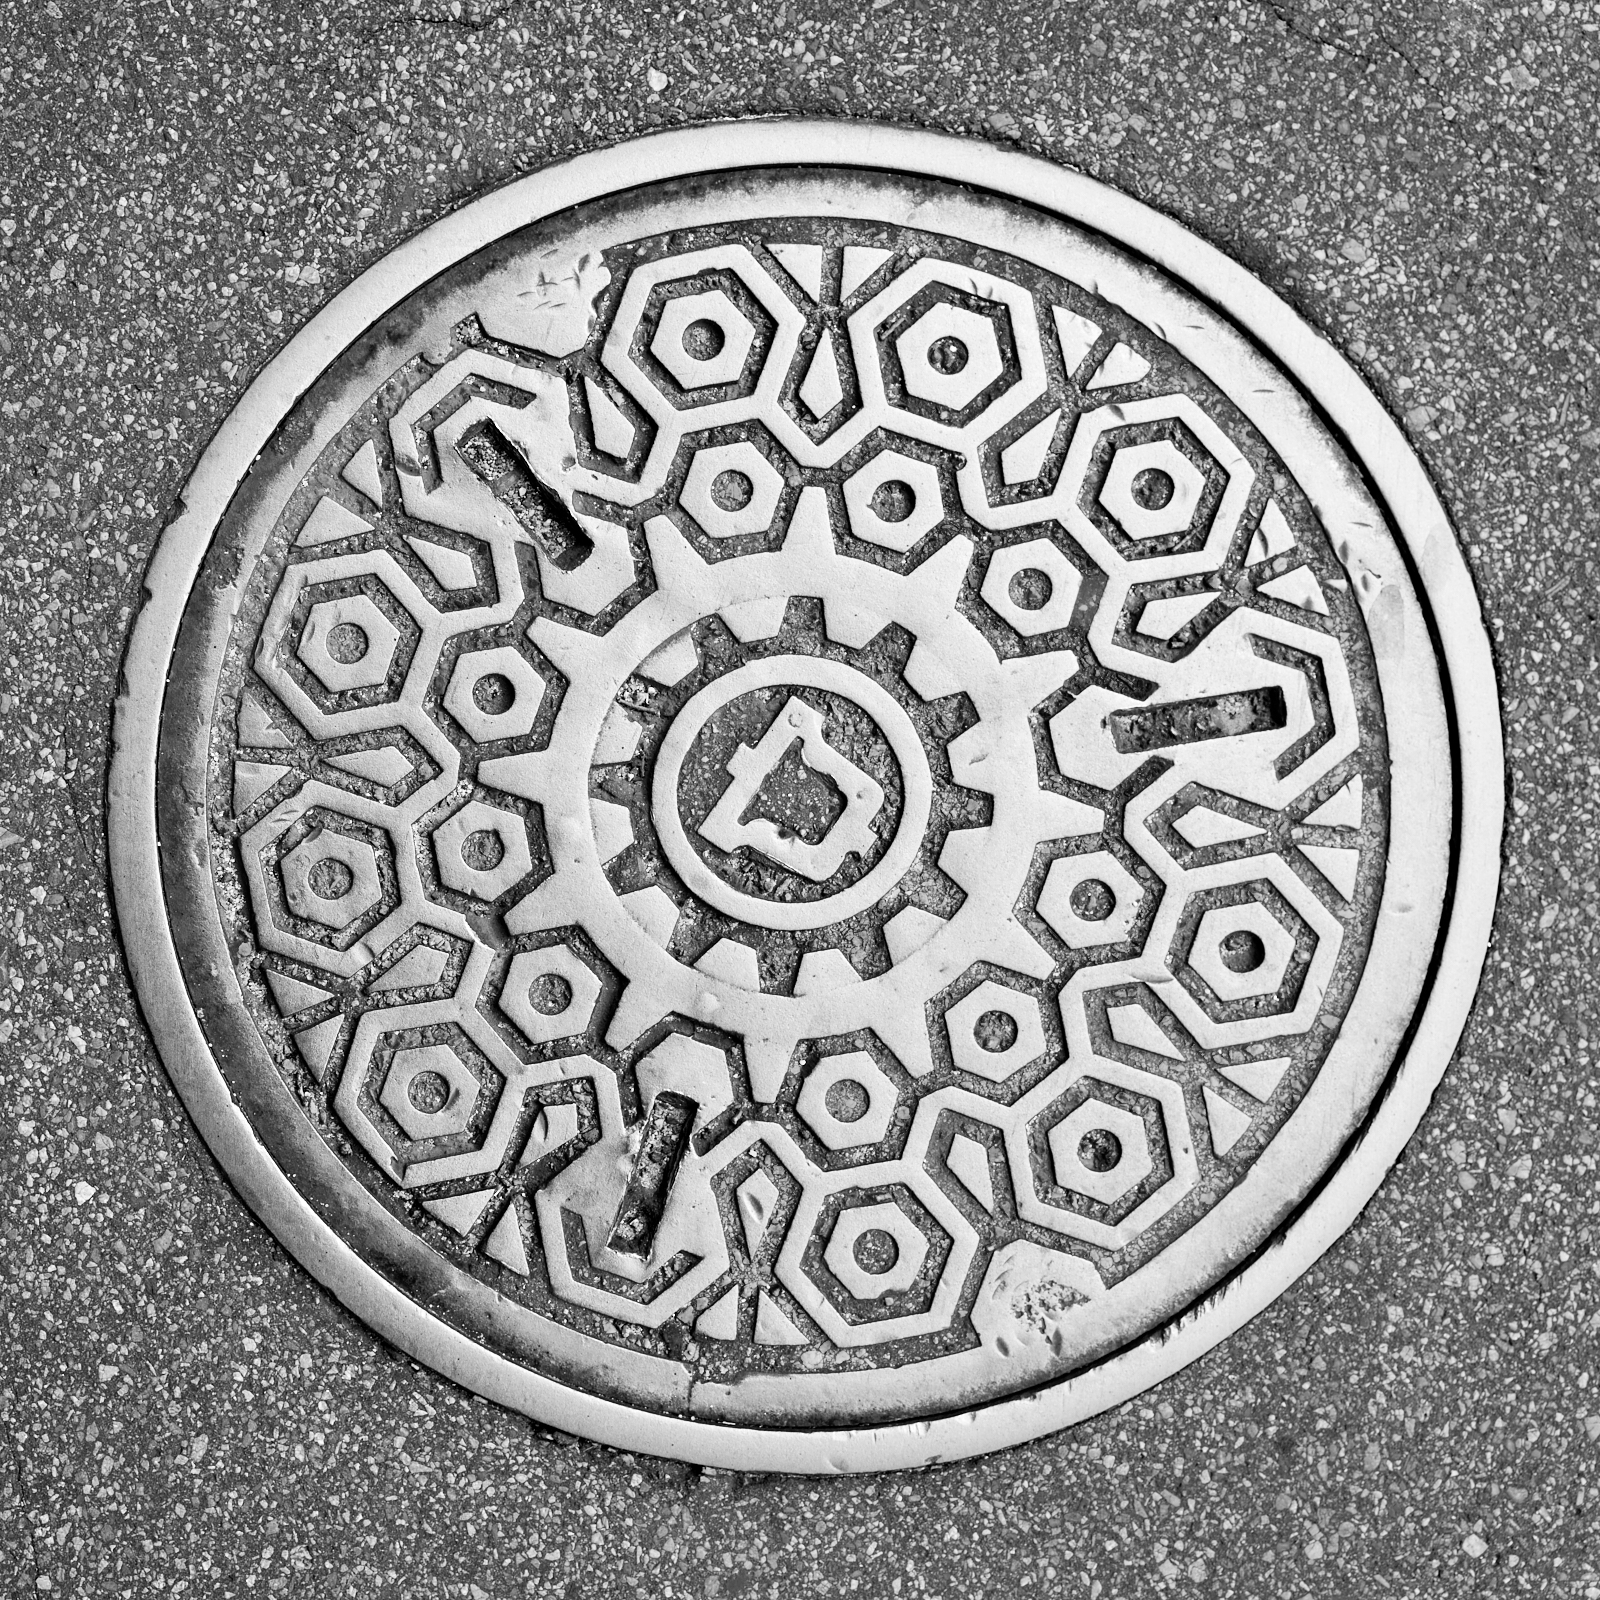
794 796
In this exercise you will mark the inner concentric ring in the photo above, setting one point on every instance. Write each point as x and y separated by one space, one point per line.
724 829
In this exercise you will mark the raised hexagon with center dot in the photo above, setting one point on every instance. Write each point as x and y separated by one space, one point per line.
731 490
331 878
1152 489
429 1091
1033 586
949 355
702 339
482 850
995 1031
550 993
875 1250
494 694
348 643
1090 899
1241 951
847 1100
894 500
1100 1150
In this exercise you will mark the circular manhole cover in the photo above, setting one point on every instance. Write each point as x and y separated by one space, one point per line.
784 790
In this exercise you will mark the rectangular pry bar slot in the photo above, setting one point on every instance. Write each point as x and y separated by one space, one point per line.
1217 716
662 1141
541 515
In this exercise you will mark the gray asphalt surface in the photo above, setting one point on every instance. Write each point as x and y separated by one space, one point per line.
182 1410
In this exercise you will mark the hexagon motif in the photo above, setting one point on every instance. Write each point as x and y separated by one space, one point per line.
1138 521
333 877
329 860
324 879
673 343
1089 1125
926 511
1062 1137
899 1288
949 355
453 853
963 1022
703 488
513 721
1036 556
860 1277
332 628
854 1067
421 1068
550 993
1068 875
1217 926
424 1102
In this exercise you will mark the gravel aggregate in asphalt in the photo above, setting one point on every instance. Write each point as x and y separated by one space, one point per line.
183 1411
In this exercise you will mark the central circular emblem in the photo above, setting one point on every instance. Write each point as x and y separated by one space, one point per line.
786 813
793 791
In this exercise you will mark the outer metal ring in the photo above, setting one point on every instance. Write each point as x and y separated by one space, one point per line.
1396 479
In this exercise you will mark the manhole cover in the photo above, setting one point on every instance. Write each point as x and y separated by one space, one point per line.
785 788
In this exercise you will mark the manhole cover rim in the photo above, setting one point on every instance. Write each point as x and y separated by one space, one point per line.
1396 479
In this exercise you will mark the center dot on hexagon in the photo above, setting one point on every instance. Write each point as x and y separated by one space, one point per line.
330 879
493 694
846 1101
703 340
1031 588
429 1092
550 994
1242 951
947 355
995 1031
1152 489
1100 1150
893 501
348 643
1092 900
484 850
732 490
875 1251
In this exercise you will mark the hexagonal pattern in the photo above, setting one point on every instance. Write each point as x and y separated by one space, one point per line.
494 694
1048 583
866 1273
949 355
406 1096
1101 1150
912 488
550 993
972 1021
1090 899
348 643
731 490
1180 479
701 362
331 878
1264 964
842 1082
1109 1149
469 837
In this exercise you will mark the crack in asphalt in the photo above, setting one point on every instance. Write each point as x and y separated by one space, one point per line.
1296 24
